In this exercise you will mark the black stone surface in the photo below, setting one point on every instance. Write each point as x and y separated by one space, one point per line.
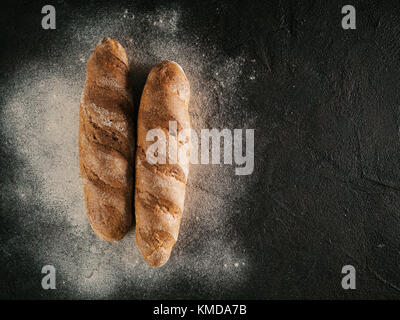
326 189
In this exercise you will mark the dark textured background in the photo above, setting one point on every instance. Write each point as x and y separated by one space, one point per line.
326 185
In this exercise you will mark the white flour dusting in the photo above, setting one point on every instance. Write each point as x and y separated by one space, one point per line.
40 117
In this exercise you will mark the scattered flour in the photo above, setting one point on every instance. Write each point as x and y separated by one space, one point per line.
40 117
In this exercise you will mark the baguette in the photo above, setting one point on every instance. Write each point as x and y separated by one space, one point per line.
160 188
106 141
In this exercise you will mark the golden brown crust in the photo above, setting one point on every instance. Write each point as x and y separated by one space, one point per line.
160 188
106 141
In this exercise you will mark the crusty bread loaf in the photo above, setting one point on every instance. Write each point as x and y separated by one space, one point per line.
160 188
106 141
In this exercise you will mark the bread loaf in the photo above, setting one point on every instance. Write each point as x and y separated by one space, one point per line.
106 141
160 188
